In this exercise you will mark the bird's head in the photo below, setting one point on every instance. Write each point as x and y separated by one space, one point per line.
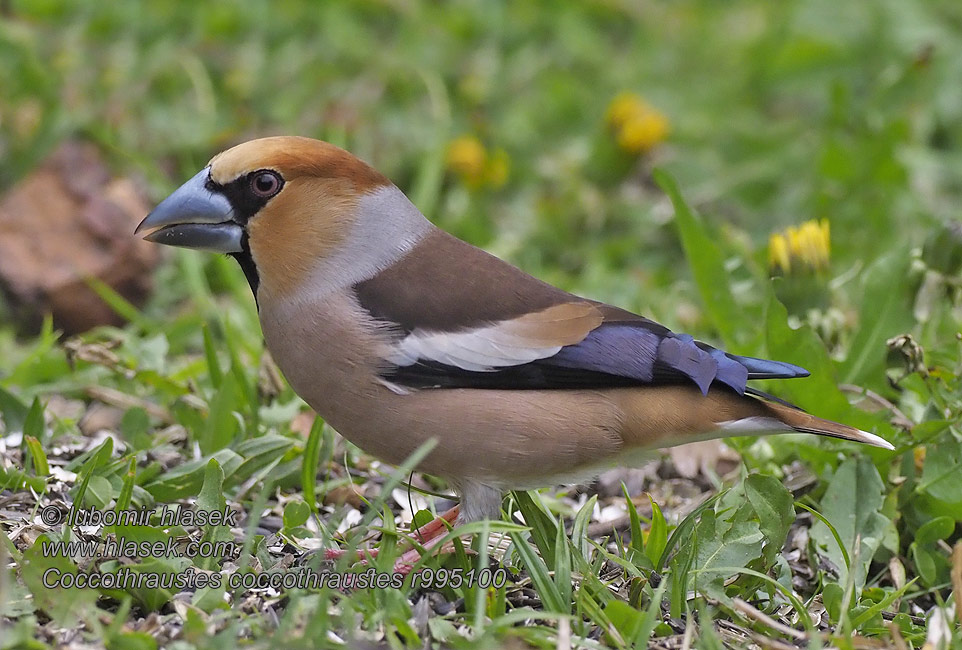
292 211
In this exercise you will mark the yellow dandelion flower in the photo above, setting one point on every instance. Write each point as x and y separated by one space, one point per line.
624 107
778 256
467 157
642 132
806 247
638 127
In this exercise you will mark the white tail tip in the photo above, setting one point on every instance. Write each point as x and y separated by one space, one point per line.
874 440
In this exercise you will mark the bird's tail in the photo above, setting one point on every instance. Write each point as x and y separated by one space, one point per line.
801 421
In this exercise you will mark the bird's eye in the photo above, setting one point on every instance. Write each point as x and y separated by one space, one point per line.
265 184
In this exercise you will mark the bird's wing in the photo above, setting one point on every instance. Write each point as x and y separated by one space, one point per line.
493 326
517 354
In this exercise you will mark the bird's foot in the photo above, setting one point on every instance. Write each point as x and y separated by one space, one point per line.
426 536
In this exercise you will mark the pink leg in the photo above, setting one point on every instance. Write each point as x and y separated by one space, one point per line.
437 526
424 535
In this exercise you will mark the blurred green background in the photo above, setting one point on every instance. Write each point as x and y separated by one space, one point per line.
778 112
821 142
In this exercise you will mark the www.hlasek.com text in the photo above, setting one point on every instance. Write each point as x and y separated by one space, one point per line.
122 547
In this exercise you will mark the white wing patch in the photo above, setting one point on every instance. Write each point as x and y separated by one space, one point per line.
483 350
512 342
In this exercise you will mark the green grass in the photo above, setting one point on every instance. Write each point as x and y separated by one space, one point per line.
779 113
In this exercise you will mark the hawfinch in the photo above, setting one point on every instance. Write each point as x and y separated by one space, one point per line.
397 333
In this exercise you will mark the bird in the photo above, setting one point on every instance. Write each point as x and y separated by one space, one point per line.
399 334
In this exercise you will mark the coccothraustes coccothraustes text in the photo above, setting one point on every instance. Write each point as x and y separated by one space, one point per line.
398 333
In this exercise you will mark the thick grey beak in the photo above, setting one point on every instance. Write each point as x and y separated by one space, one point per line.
195 217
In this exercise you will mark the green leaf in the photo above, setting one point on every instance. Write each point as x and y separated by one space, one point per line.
16 479
151 598
120 305
132 641
311 461
722 545
550 595
63 605
211 498
657 535
14 411
852 503
33 423
135 426
127 489
99 492
706 263
637 548
773 504
579 528
818 393
210 353
296 514
259 453
185 480
562 564
543 526
211 495
222 424
37 454
98 456
940 473
882 315
684 530
932 531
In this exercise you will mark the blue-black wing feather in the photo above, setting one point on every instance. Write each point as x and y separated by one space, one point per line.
618 353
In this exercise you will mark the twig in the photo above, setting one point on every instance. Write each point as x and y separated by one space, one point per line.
123 400
744 608
900 419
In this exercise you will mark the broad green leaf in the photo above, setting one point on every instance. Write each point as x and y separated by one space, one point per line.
99 492
185 480
13 409
211 495
33 424
818 393
259 453
17 479
97 457
63 605
706 263
296 514
722 545
222 424
940 474
773 505
884 313
932 531
852 503
211 498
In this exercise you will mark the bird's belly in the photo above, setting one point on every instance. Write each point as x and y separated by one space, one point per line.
502 438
